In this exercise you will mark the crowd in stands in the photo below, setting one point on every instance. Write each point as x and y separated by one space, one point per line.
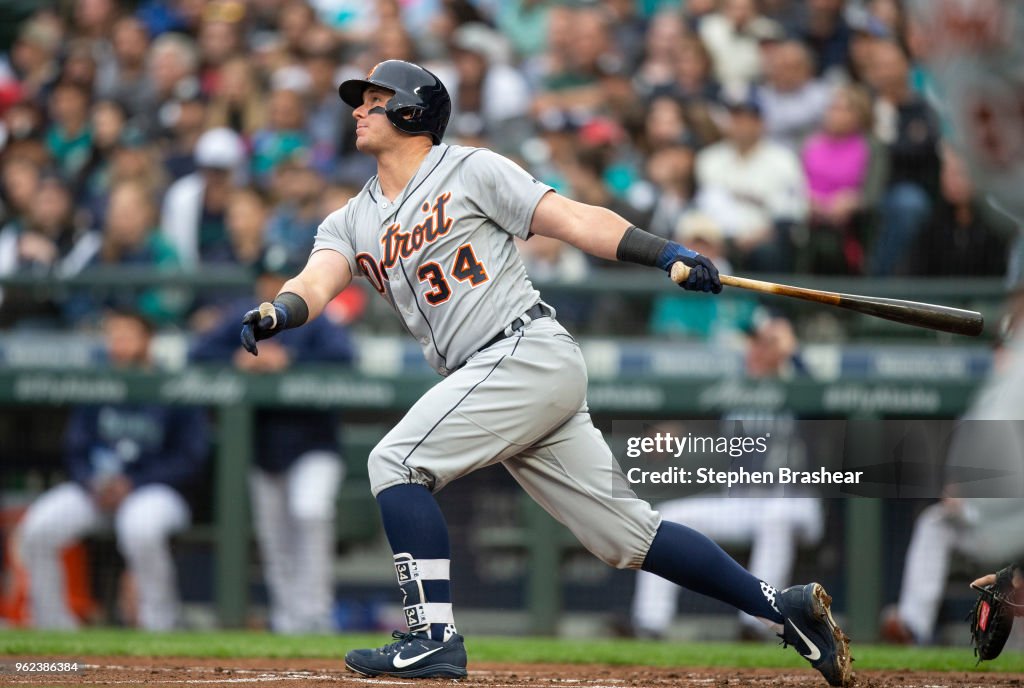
797 135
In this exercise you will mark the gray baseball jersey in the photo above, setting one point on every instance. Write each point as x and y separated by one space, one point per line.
442 252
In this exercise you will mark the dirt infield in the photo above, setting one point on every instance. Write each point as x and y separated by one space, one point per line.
187 671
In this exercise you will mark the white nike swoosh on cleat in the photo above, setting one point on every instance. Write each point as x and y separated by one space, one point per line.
401 662
815 652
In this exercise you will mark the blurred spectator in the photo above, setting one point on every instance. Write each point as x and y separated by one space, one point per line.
109 130
293 222
125 80
838 161
130 237
731 38
33 57
22 122
129 465
657 67
963 235
327 111
283 138
670 170
754 189
295 18
794 101
239 102
297 473
79 65
193 210
130 160
36 243
490 99
525 23
19 181
821 25
187 123
910 129
247 215
694 78
92 19
172 76
772 520
579 52
219 39
69 136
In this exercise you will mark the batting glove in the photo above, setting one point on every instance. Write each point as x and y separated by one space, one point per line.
703 273
262 323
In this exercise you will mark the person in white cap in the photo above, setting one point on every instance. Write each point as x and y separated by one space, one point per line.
194 207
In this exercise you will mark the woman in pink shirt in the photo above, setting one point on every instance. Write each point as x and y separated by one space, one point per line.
836 162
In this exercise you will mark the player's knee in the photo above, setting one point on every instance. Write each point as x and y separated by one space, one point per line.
39 535
620 554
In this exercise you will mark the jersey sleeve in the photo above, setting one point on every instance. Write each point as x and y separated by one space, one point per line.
504 191
334 233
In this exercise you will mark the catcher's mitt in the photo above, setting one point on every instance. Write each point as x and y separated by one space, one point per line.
992 617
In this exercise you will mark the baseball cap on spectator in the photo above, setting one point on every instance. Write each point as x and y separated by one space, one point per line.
601 131
696 226
767 30
220 148
746 102
482 40
861 20
291 78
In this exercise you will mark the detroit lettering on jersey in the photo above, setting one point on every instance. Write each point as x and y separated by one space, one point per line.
442 253
398 243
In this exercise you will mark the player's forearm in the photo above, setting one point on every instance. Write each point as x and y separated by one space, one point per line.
597 231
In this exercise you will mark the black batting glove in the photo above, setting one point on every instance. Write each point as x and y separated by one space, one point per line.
703 273
262 323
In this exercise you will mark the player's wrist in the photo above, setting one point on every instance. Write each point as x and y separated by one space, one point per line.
641 247
292 310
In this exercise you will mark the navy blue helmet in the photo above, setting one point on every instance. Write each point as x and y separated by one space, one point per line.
421 104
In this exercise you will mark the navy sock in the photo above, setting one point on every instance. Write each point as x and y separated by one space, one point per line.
694 561
417 531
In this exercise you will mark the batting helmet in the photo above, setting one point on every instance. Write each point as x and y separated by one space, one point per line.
421 104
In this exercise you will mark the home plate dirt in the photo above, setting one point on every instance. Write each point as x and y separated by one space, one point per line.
190 671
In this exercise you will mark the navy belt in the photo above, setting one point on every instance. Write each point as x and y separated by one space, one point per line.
538 310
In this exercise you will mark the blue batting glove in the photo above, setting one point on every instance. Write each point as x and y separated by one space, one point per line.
703 273
262 323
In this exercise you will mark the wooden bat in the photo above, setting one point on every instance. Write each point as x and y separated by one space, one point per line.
942 318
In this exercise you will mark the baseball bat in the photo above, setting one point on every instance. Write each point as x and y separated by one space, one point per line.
931 316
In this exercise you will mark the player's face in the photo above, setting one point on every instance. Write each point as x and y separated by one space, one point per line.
373 130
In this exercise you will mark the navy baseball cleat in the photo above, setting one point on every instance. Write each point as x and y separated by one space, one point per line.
810 628
412 655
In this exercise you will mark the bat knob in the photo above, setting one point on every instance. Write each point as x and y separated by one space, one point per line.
267 310
679 272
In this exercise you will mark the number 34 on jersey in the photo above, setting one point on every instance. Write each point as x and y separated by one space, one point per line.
398 244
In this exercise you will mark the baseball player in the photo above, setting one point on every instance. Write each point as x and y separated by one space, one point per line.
433 234
129 464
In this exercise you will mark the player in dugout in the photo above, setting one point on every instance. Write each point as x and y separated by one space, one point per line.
130 466
433 234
